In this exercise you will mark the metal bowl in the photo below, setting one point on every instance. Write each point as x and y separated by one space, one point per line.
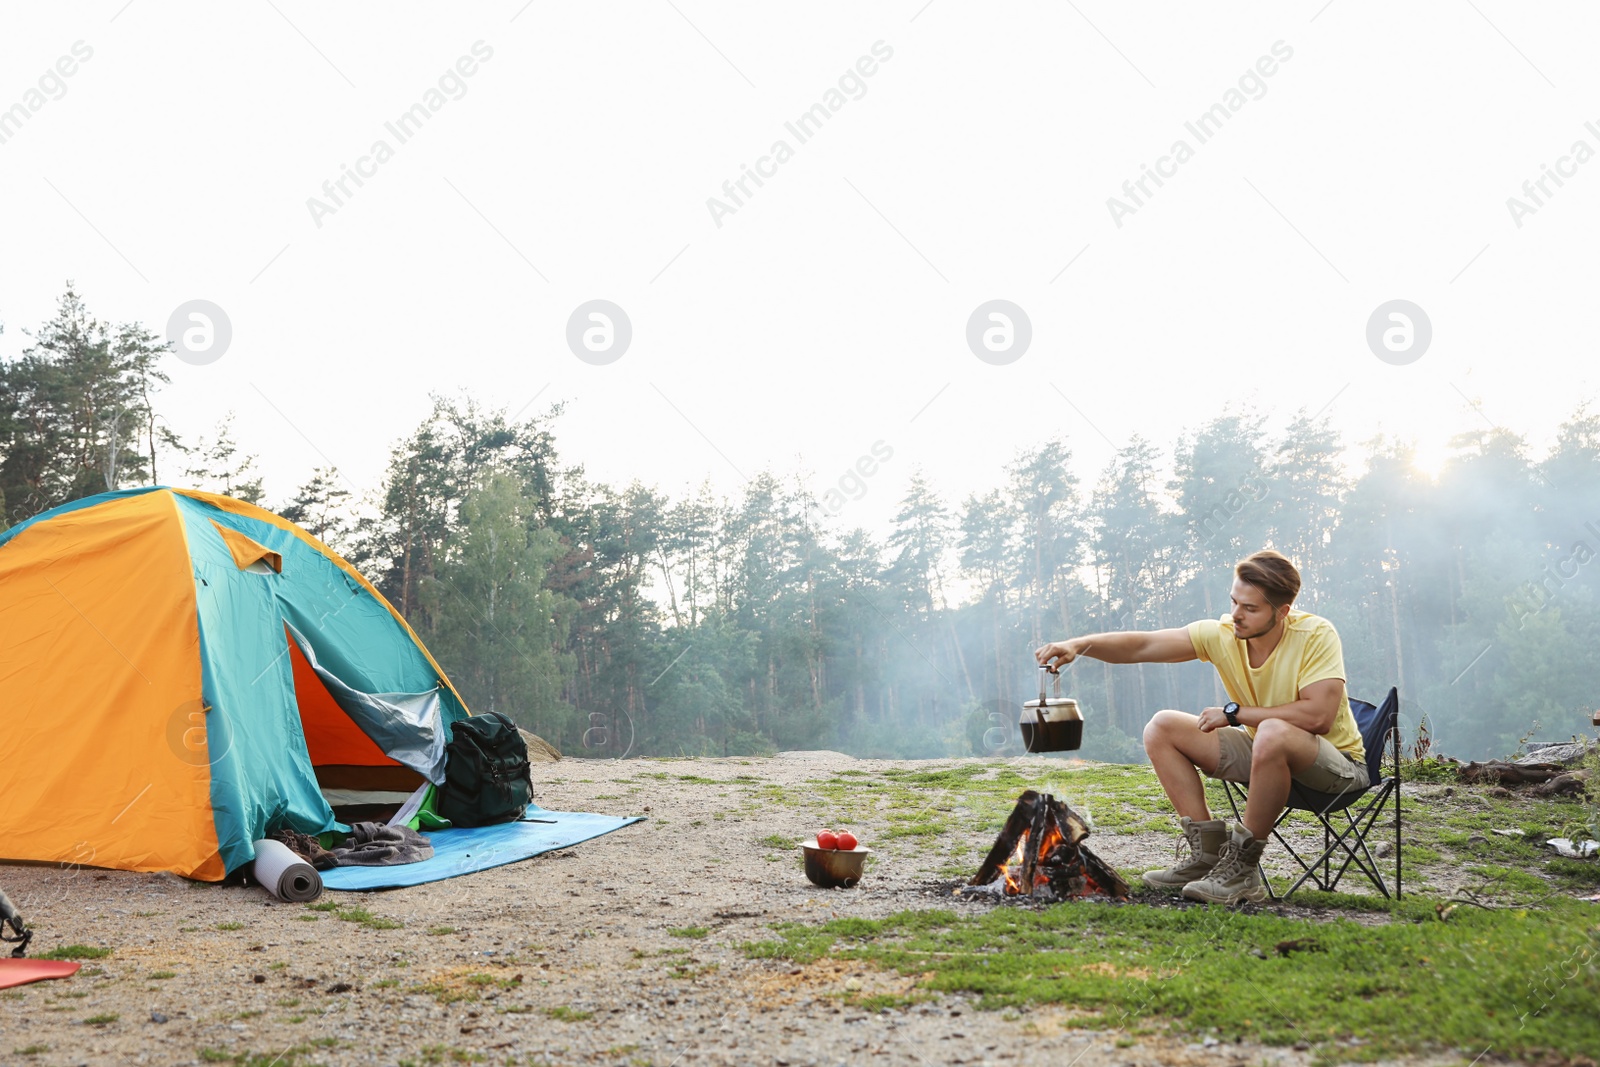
834 868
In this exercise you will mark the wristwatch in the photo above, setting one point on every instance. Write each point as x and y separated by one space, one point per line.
1231 710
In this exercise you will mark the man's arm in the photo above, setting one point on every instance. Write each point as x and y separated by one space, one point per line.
1129 646
1314 711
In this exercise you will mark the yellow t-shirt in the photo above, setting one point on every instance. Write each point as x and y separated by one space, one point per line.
1308 652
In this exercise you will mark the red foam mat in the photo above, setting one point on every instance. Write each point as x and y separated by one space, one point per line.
21 972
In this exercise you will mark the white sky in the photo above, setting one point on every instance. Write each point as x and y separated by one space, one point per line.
178 163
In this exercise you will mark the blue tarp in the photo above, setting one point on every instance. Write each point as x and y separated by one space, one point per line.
462 851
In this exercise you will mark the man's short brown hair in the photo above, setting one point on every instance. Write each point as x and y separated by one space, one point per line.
1273 574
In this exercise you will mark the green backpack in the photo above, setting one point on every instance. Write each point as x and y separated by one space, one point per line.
486 774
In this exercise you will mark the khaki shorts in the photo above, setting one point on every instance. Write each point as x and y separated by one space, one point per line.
1333 772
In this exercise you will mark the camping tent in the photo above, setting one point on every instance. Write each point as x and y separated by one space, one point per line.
183 672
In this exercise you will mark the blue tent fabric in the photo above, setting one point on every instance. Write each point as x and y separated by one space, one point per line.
261 773
464 850
248 681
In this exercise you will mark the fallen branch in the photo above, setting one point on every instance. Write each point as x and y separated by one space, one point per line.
1476 898
1499 772
1569 784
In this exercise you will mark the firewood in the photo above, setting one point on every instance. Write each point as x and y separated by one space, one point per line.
1499 772
1041 848
1570 784
1020 819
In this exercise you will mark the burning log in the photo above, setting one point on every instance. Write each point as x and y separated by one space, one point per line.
1040 853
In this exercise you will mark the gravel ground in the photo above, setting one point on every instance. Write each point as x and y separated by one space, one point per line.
567 958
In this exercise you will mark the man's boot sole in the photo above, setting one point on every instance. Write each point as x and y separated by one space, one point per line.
1254 896
1154 882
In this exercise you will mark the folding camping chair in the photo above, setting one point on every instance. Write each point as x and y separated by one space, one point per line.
1347 841
20 934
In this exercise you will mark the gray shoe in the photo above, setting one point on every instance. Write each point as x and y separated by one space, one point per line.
1237 875
1205 841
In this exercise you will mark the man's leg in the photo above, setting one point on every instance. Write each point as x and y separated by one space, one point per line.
1176 747
1281 751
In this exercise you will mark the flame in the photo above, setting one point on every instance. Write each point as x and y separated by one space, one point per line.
1010 870
1052 837
1060 866
1013 882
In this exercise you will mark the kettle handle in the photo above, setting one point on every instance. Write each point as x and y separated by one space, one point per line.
1055 681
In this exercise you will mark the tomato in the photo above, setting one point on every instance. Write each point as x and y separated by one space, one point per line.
827 839
846 840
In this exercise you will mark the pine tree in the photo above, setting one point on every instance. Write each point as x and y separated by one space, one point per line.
1049 537
75 411
1306 484
497 631
918 543
322 507
1130 554
219 466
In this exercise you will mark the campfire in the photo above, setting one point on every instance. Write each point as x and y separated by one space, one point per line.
1040 854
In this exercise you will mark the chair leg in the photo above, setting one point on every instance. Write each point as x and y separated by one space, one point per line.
1327 846
1359 827
1397 823
1351 841
1228 789
1308 867
1367 865
1394 739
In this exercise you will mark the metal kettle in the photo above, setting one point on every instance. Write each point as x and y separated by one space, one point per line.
1051 723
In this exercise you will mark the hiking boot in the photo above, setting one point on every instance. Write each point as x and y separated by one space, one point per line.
1205 841
1236 876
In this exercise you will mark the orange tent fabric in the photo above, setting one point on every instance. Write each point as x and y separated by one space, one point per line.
161 716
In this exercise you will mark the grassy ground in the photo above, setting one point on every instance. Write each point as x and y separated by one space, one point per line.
1521 982
1521 978
921 808
698 928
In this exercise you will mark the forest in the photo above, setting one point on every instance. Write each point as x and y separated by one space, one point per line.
615 620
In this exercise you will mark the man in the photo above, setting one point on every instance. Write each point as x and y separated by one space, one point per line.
1287 719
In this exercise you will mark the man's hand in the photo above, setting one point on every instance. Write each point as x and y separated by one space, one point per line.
1056 655
1211 719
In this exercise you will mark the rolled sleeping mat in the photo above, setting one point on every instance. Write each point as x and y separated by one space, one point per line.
284 874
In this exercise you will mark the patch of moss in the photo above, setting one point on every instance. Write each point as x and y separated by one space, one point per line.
565 1014
445 994
76 952
1575 874
689 931
365 918
289 1057
440 1054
